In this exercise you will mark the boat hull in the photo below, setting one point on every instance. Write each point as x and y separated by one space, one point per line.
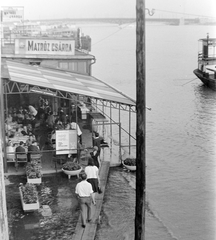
208 81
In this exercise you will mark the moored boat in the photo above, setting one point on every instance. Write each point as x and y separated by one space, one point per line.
206 70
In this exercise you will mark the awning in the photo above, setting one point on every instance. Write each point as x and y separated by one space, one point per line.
65 81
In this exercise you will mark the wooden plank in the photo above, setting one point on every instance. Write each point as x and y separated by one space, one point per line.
90 231
77 235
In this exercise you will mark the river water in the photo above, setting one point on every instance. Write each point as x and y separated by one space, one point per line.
180 133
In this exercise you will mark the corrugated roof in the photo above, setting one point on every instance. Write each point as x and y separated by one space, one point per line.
65 81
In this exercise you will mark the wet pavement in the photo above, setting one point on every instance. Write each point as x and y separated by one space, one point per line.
58 213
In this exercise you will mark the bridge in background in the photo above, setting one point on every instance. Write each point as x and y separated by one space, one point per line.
120 21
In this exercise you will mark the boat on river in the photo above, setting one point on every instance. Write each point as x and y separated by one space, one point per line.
206 70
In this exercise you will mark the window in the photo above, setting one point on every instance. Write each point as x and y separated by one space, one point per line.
63 65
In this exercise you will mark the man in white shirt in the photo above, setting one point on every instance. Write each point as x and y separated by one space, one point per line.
85 195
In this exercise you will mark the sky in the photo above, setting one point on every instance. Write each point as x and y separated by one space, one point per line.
55 9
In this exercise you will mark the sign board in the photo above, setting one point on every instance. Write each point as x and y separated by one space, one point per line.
12 14
66 142
30 46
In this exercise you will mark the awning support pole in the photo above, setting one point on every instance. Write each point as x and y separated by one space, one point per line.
130 130
4 235
2 123
120 158
103 113
110 130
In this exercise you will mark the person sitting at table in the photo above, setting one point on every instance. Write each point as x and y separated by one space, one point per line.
20 116
10 151
33 149
8 129
21 149
24 131
14 115
30 140
29 129
21 109
9 119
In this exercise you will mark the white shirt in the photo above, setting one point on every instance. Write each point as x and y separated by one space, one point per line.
84 189
91 172
32 110
74 126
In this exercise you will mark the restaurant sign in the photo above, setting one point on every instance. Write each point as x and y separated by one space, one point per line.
66 142
44 46
12 14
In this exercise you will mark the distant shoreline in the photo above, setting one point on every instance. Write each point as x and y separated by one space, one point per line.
121 21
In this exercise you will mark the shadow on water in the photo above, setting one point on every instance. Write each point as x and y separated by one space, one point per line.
58 213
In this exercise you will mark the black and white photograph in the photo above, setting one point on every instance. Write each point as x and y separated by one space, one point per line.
108 120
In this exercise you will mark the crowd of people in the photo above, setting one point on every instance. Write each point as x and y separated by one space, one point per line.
29 147
24 127
27 121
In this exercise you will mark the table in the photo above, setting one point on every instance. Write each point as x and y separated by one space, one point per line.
17 139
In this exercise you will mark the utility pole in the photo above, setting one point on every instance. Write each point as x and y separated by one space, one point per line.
140 121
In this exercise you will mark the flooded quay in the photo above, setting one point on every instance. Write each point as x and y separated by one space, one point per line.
58 213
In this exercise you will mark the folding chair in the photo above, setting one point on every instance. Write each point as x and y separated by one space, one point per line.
35 156
11 158
20 158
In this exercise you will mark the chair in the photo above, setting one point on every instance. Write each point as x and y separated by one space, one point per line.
35 156
20 158
11 157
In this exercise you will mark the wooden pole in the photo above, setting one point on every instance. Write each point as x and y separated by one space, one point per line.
140 123
4 235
